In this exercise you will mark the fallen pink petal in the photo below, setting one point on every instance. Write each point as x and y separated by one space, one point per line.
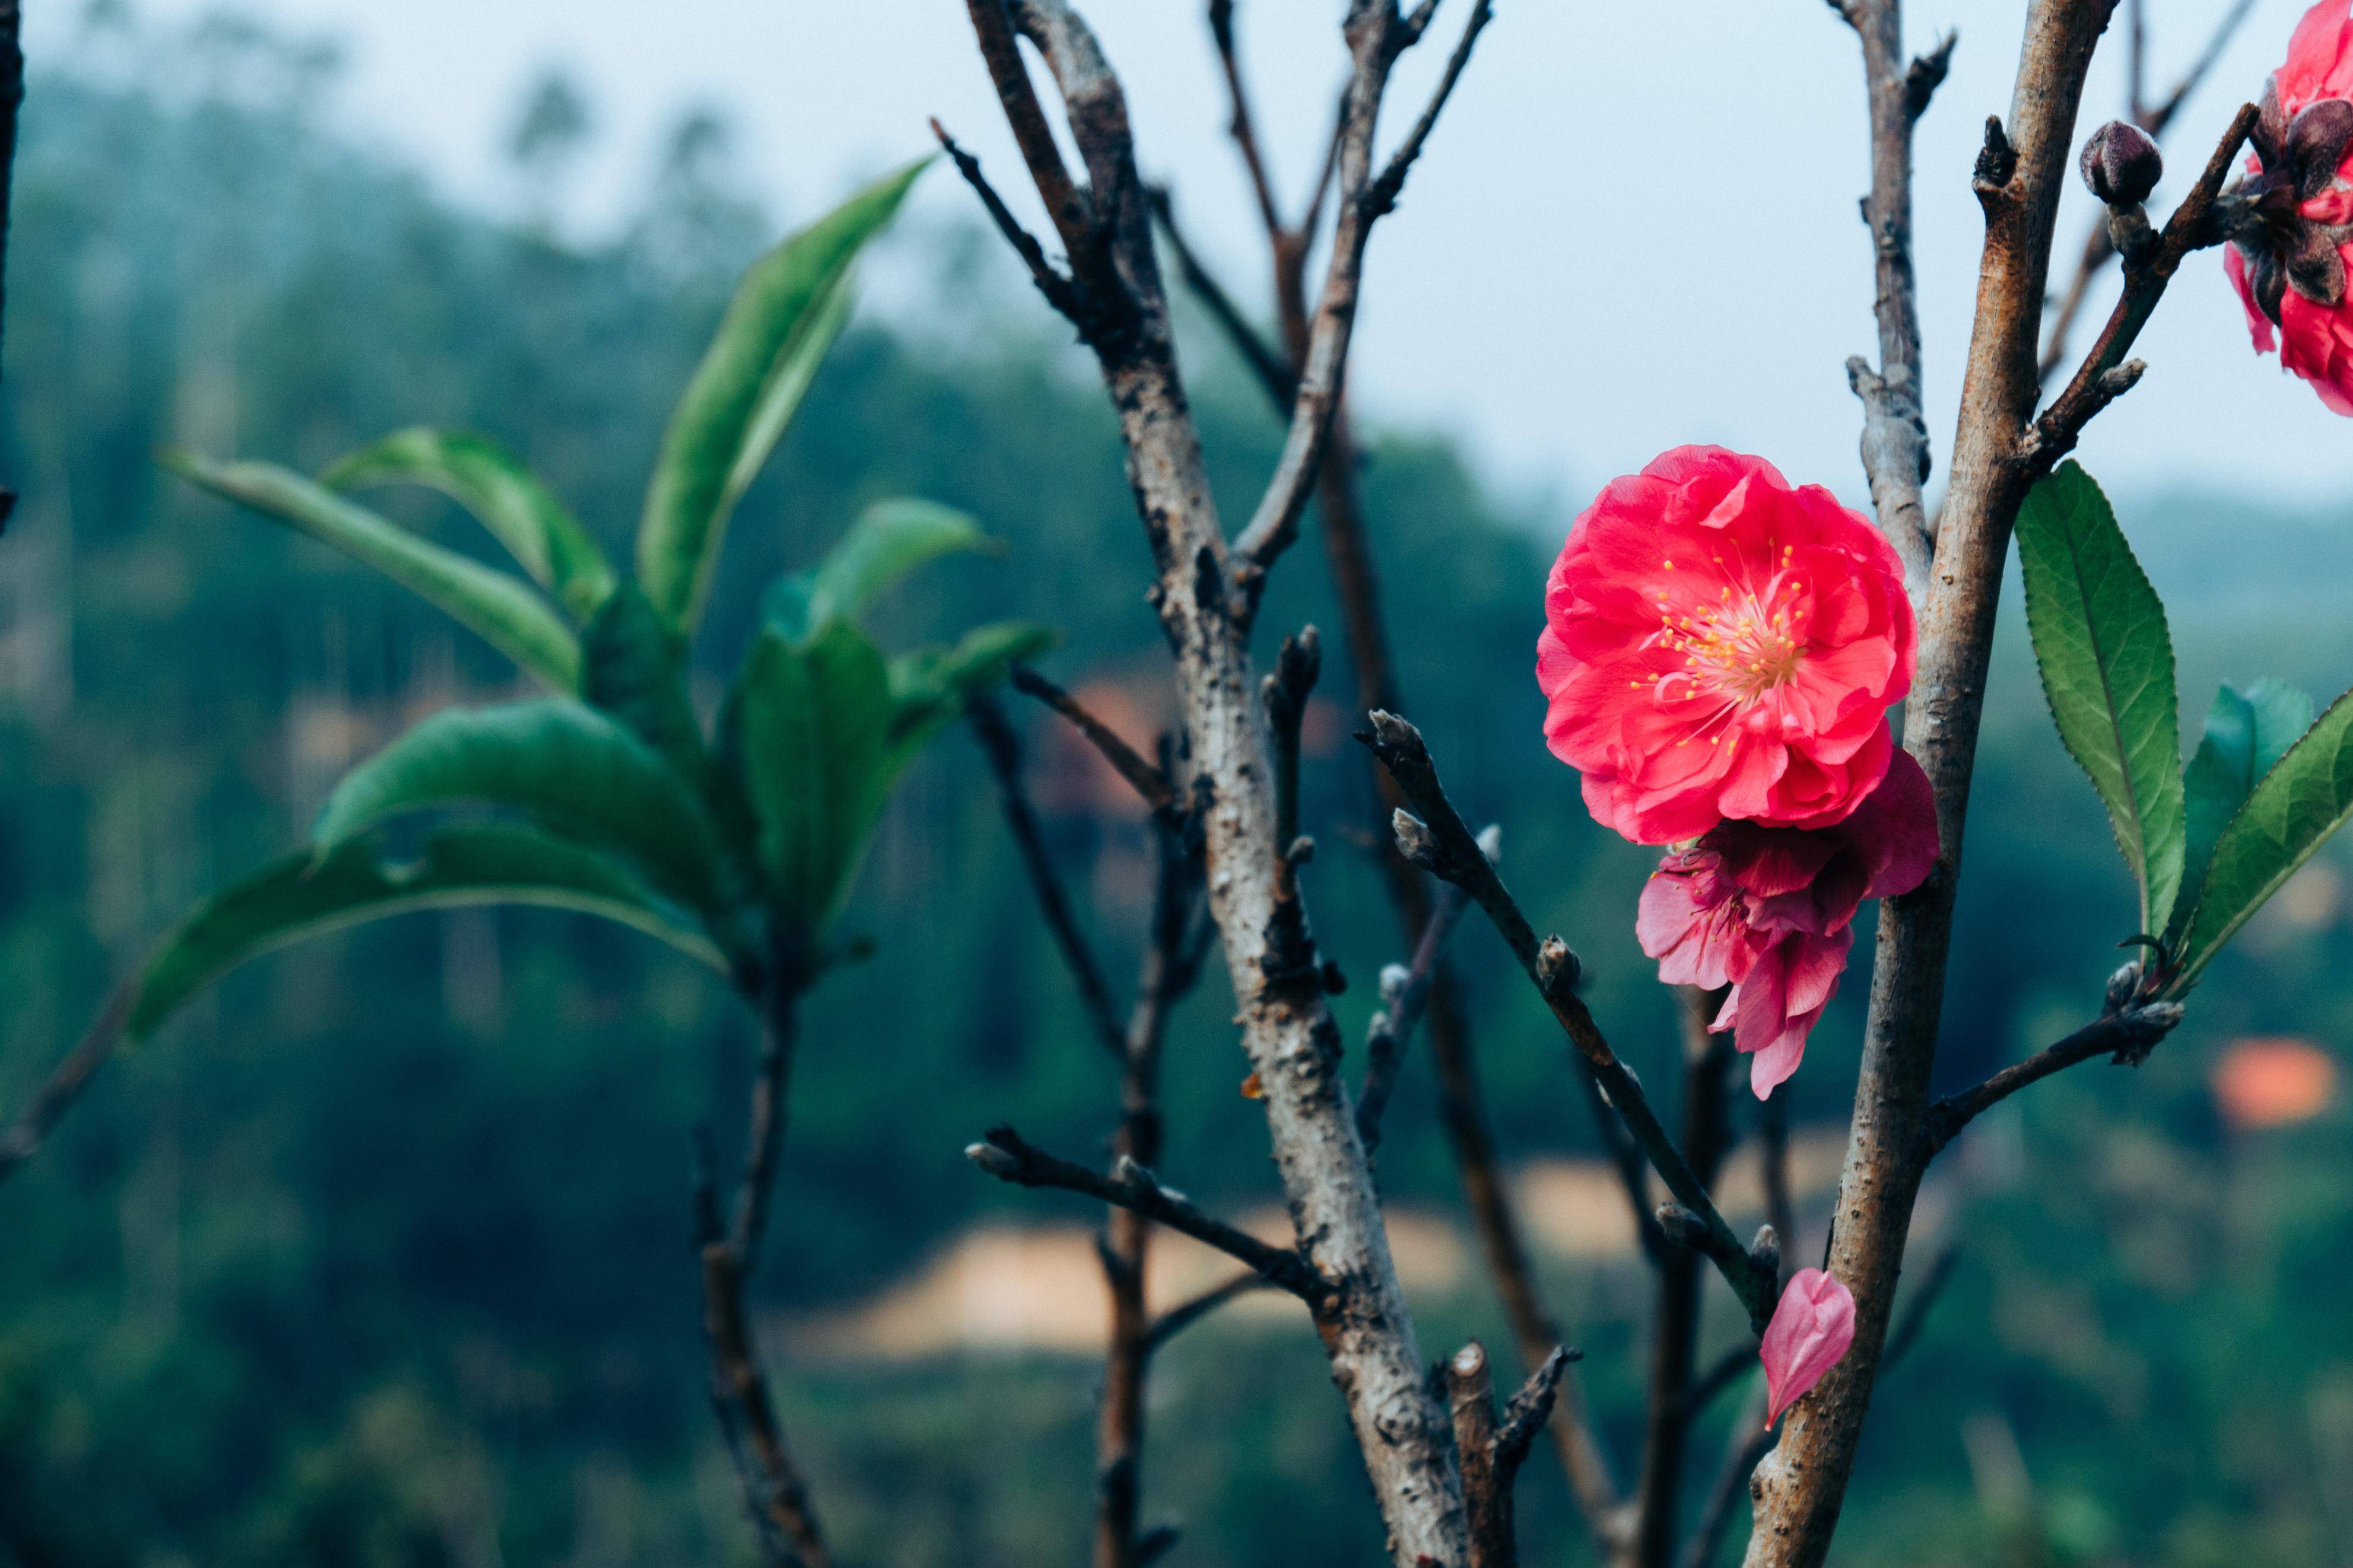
1809 1331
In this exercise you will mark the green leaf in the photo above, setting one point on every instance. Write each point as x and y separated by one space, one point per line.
505 612
889 539
2289 814
505 497
931 686
634 667
300 896
785 314
566 766
2107 669
811 733
2246 732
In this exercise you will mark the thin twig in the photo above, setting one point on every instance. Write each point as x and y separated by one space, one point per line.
2105 374
1749 1440
1061 292
1193 1308
1007 1155
1147 780
1440 844
774 1495
1271 371
2126 1037
1375 37
1404 1002
1492 1454
1913 1317
1895 454
1002 748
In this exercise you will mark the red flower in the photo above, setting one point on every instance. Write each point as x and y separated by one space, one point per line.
1718 645
1770 911
2289 221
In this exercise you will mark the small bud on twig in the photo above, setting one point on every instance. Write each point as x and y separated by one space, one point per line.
1414 839
2121 165
1766 1251
992 1159
1684 1227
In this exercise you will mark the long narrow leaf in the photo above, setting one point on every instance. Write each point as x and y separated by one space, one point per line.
2289 814
2106 658
2246 733
564 765
505 612
785 316
812 730
506 497
889 539
300 896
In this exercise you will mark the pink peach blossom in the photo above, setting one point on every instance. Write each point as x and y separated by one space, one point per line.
1769 912
2291 220
1718 645
1810 1331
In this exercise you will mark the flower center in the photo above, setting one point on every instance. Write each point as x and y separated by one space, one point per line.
1737 650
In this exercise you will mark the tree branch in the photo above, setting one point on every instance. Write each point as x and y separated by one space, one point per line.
1440 844
1009 1157
1895 429
2105 374
2020 173
1287 1030
775 1494
2126 1038
1491 1455
1147 780
1279 379
1405 996
12 95
1191 1311
1002 749
1376 35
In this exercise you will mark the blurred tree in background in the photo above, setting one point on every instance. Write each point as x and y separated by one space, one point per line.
380 1255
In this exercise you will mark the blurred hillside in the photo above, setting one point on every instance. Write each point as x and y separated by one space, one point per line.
379 1257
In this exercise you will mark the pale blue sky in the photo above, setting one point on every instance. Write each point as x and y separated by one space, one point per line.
1636 227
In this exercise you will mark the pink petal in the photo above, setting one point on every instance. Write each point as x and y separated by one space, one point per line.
1812 1329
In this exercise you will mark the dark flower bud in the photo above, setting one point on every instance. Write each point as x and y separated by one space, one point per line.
2121 165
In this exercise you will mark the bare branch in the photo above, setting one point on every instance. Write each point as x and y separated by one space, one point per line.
1002 748
1187 1312
1059 291
2105 374
774 1495
1529 1412
1285 694
66 1082
1405 996
1440 844
1749 1440
1271 371
1007 1155
1387 188
1675 1325
1375 36
2124 1037
1894 428
2155 118
1242 125
1147 780
1913 1317
993 27
2020 173
1202 595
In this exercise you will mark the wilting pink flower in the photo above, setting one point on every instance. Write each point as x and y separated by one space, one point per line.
2290 219
1809 1331
1719 645
1770 911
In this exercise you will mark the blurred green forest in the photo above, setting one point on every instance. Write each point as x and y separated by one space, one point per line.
380 1256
